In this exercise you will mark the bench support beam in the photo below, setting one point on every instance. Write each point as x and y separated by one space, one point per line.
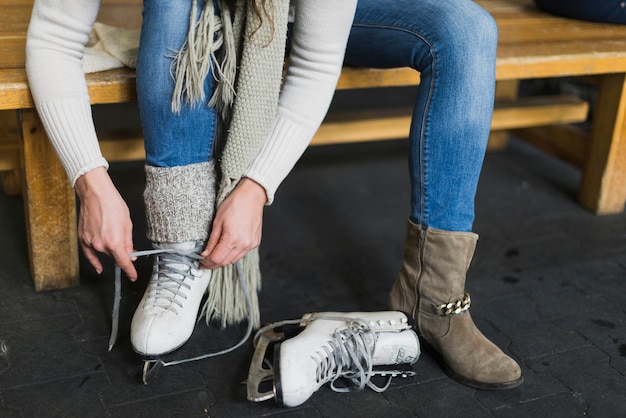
603 186
50 210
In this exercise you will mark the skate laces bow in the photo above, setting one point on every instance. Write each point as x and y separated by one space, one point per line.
349 355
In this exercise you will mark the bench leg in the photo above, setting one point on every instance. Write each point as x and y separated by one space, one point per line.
603 186
50 210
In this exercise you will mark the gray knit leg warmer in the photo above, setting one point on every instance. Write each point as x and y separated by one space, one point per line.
180 202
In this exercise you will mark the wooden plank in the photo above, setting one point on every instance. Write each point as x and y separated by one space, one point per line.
16 16
506 90
113 86
603 186
11 182
12 53
122 145
14 20
539 111
395 123
8 141
50 210
381 124
358 78
552 30
9 157
364 126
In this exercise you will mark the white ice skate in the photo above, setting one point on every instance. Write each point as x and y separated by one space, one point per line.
340 348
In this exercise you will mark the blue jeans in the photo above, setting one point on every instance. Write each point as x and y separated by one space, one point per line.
593 10
171 139
453 45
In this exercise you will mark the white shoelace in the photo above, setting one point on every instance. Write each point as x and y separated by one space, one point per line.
347 355
176 254
170 284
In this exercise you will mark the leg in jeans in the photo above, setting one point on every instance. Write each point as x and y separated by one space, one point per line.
452 44
171 139
180 184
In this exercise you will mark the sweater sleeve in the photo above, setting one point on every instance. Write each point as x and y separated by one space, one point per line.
57 35
320 33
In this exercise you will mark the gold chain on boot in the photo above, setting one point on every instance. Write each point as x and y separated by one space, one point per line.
454 308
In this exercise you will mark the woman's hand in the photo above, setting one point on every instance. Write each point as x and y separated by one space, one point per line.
237 225
104 224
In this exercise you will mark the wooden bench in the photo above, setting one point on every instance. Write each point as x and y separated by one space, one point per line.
532 45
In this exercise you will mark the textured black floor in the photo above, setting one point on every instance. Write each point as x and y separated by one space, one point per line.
548 284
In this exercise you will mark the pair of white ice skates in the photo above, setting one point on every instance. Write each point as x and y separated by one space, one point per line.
346 350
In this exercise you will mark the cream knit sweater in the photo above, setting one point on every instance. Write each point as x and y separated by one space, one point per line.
59 31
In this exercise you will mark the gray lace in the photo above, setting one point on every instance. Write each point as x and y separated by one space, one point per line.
168 287
178 255
347 355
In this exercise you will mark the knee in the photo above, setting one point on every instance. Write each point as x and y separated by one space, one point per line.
486 30
475 30
469 40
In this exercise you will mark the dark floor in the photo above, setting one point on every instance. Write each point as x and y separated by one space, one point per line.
548 284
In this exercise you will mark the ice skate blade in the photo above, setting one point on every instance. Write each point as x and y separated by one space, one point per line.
261 372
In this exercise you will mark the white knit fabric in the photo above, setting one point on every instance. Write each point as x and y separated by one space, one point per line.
110 47
60 29
321 30
56 60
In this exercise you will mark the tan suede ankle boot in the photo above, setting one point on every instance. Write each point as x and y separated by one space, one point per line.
431 288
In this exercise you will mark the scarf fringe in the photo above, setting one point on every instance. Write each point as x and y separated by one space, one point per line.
258 49
197 58
226 301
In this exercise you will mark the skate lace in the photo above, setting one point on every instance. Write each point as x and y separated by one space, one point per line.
170 254
349 356
171 283
178 255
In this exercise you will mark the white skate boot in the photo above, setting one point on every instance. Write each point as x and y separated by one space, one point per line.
332 346
167 313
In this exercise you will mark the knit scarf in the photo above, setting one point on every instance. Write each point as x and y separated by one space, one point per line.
245 54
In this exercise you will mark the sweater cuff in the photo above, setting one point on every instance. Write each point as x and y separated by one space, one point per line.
288 141
69 126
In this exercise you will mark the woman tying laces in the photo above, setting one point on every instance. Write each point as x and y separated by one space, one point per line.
452 44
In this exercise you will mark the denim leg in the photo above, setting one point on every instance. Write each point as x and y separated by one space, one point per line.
170 139
453 45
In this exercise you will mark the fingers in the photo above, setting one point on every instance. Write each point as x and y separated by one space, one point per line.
213 240
121 255
227 250
237 226
92 257
123 259
104 224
